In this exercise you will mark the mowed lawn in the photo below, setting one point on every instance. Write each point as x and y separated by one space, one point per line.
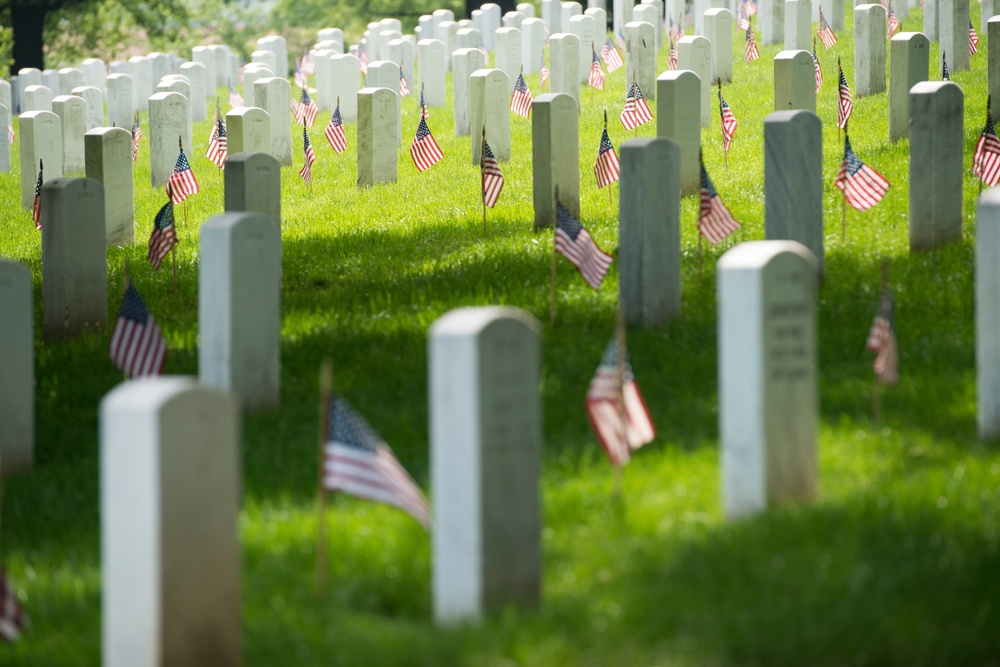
895 563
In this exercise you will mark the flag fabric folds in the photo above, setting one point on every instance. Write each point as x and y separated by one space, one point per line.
845 104
729 123
819 70
492 177
163 237
596 78
36 207
743 22
715 222
672 57
309 156
334 132
636 111
973 40
520 99
750 53
358 462
825 32
182 183
306 111
137 345
218 145
606 167
11 136
11 616
573 242
424 150
612 59
986 157
863 187
543 74
404 90
882 341
892 24
616 408
136 136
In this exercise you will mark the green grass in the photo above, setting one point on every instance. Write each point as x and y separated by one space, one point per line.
894 564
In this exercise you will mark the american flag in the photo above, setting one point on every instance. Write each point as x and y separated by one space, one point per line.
218 146
825 32
619 42
335 132
520 99
863 187
182 183
614 404
164 236
308 64
306 111
596 79
606 167
729 123
882 341
36 207
544 75
357 461
612 59
986 158
743 22
235 99
403 89
715 222
11 616
750 52
674 31
944 67
10 133
363 60
688 17
309 156
893 23
573 241
136 136
636 112
301 80
424 113
846 104
819 70
672 57
973 40
748 7
491 175
137 344
424 150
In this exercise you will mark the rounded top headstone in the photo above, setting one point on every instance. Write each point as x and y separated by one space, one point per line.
758 254
474 320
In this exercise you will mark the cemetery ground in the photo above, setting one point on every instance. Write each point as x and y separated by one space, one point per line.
895 563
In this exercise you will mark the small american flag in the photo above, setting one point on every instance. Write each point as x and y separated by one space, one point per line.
863 187
335 132
306 111
729 123
301 80
614 404
674 31
672 57
825 32
688 17
218 146
573 241
986 158
309 158
846 104
307 64
819 70
715 222
636 112
973 40
748 7
606 167
357 461
235 99
136 136
619 42
182 183
544 74
11 616
520 99
491 175
403 89
36 207
893 23
137 344
945 76
424 150
882 341
424 113
363 60
612 59
164 236
596 79
743 22
750 52
10 133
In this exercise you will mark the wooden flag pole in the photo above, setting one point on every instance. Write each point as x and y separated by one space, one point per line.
724 149
552 291
173 249
610 200
325 388
839 70
877 389
482 176
635 100
620 366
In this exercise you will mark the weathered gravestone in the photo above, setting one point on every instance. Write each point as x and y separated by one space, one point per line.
532 44
793 179
41 140
869 49
432 71
279 46
385 74
678 117
50 79
170 556
17 368
640 57
508 55
94 73
491 22
768 389
197 74
70 78
94 99
464 63
649 257
564 54
404 54
176 84
37 98
161 65
771 18
169 124
239 307
794 81
909 64
694 54
953 26
798 25
555 156
27 76
346 84
205 56
513 19
551 16
486 444
268 58
378 138
248 130
253 184
141 71
108 153
490 109
74 266
272 94
468 38
646 13
527 9
718 29
72 112
567 10
120 104
251 74
987 314
583 26
936 170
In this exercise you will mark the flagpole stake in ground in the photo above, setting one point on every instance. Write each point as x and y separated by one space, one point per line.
482 176
325 388
552 291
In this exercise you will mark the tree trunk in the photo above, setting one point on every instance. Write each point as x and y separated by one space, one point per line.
27 21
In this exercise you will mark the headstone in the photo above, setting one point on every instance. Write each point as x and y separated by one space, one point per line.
768 398
384 37
72 112
936 170
141 71
251 74
378 141
555 156
551 16
118 67
583 26
486 449
490 107
175 84
94 98
74 265
469 38
27 76
869 49
491 22
694 53
568 10
532 44
513 20
600 16
993 63
120 104
324 97
253 184
508 55
5 119
464 63
268 58
640 57
279 46
161 65
170 496
798 25
953 24
94 73
564 54
441 15
678 117
833 12
272 95
222 53
385 74
17 367
109 162
621 13
205 56
649 231
426 23
404 54
37 98
169 121
447 32
50 79
70 78
988 9
346 84
41 139
330 33
526 9
909 64
197 74
239 308
646 13
431 75
248 130
793 179
771 18
987 310
718 29
6 97
794 81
